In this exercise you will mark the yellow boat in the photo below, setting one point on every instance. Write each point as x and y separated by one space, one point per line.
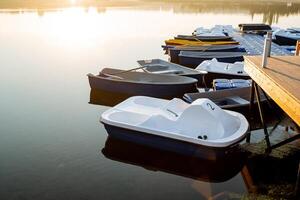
198 43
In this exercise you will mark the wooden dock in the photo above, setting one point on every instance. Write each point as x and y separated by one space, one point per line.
280 80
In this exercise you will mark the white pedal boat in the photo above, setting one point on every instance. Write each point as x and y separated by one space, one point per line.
214 66
175 125
222 70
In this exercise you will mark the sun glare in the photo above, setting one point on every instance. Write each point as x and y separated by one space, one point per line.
73 1
75 25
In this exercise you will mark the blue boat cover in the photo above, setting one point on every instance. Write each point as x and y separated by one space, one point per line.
222 84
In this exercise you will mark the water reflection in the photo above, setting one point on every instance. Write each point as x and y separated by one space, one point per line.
275 177
259 176
270 10
48 131
105 98
157 160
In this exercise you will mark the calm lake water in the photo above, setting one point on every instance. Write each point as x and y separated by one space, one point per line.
51 141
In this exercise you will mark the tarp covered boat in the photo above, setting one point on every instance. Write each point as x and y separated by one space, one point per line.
175 125
130 83
224 84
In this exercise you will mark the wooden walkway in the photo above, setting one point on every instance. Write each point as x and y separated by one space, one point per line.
280 80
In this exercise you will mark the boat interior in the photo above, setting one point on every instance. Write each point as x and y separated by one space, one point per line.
162 67
122 75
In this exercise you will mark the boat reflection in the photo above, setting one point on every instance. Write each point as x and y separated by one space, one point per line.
105 98
157 160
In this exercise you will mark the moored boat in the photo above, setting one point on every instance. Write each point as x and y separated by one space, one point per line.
220 97
215 31
260 29
198 43
174 51
175 125
204 38
238 100
222 70
130 83
235 99
159 66
287 37
193 58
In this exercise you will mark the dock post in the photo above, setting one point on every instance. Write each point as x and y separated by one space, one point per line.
297 48
251 111
261 114
267 49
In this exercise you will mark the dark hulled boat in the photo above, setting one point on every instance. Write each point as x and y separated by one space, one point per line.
193 58
174 51
129 83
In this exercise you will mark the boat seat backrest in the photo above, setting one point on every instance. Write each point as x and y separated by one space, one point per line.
176 107
212 120
160 122
195 122
229 122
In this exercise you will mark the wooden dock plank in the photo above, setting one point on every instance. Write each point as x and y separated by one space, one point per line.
280 80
